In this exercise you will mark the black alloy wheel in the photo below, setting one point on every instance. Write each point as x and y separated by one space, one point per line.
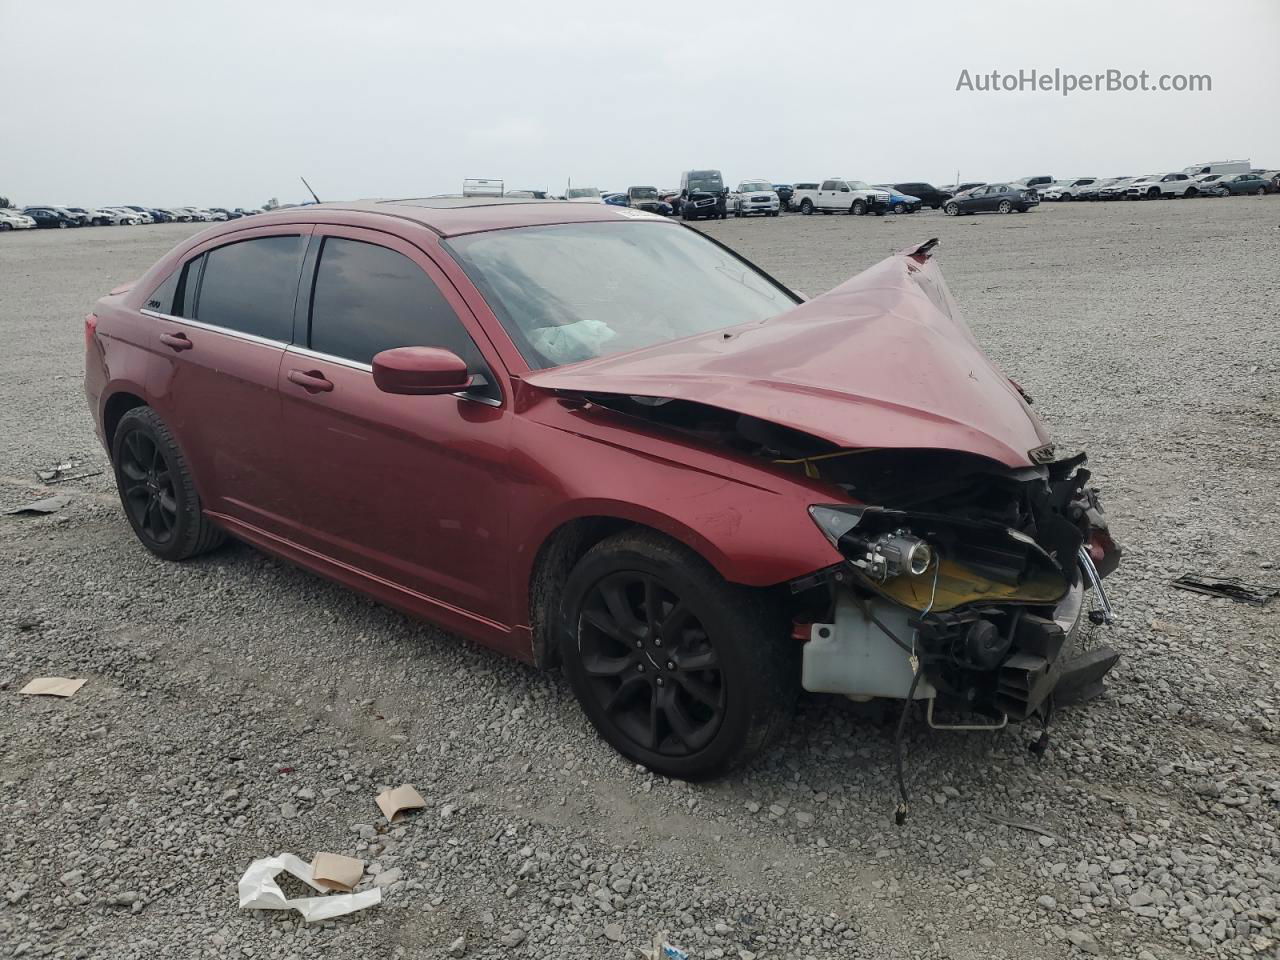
157 490
651 665
147 488
676 668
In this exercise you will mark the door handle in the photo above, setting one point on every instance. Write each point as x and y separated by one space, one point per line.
311 381
178 341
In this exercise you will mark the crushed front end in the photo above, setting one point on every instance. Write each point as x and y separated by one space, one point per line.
964 584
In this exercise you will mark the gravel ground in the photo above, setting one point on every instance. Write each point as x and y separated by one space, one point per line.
237 707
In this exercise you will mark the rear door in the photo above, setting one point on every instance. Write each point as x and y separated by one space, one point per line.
223 319
407 489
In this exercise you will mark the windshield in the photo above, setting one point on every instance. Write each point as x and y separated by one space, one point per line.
755 186
576 192
644 193
571 292
705 185
857 185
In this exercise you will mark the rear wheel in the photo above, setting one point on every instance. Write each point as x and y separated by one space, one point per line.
5 227
1261 191
951 209
806 207
157 489
1005 207
676 668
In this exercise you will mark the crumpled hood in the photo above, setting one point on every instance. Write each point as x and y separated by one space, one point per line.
883 360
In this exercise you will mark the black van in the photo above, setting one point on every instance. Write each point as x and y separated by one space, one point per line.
702 195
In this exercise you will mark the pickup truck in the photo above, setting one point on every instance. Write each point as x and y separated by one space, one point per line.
842 196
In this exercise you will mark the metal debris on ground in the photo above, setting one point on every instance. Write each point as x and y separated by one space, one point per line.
1020 825
52 687
63 472
1230 587
259 891
36 507
395 803
663 950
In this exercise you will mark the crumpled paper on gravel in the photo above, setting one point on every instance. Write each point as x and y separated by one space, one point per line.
259 891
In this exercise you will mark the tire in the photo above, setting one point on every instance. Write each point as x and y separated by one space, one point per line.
150 466
1261 191
62 224
1191 192
730 707
1066 197
5 227
899 208
1153 193
951 210
806 206
1004 207
858 208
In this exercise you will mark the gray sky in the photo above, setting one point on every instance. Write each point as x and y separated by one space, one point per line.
227 103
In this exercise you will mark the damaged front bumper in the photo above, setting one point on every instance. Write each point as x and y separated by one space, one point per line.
974 602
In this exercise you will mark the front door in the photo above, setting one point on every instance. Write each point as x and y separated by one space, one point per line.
406 489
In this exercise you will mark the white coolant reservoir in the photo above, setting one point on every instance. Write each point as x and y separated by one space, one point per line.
853 657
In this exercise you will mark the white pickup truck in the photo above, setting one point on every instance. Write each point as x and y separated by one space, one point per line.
842 196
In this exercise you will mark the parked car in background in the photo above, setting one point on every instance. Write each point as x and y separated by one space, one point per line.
1065 189
647 199
11 219
82 216
615 199
838 195
620 436
754 196
1210 185
224 214
930 196
900 202
250 212
582 195
53 217
1159 185
703 195
1248 183
1116 189
784 191
1032 182
955 188
993 198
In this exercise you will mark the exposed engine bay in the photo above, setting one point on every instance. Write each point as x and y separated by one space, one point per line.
964 579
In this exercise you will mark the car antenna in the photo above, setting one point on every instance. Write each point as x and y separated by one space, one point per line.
309 190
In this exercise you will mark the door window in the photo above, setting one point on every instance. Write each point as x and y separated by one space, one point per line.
828 184
369 298
249 286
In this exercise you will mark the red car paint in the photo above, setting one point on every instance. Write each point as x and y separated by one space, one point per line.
436 505
883 360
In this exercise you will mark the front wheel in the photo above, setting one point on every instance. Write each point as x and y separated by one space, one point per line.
858 209
677 669
899 208
157 489
952 210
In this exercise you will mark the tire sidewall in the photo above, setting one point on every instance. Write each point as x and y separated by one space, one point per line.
741 684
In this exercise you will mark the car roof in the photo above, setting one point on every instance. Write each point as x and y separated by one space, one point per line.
453 216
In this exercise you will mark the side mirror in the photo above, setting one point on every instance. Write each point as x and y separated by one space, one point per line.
844 189
420 371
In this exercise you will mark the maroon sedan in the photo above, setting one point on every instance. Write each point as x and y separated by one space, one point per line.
588 436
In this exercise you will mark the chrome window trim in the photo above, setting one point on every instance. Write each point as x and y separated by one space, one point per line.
214 328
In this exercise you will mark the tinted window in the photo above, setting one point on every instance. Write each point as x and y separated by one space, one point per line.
828 185
368 299
250 286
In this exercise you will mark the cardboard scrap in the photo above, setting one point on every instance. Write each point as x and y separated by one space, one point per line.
52 686
259 891
394 803
332 871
